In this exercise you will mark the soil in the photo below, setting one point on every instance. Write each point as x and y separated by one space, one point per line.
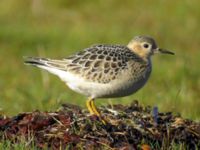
127 127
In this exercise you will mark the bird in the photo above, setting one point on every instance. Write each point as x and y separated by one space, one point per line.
104 70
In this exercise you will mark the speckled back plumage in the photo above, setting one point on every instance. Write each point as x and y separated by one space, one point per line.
102 63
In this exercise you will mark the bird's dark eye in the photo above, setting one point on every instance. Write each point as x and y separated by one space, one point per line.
146 45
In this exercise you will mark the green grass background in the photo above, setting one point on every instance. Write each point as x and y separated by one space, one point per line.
59 28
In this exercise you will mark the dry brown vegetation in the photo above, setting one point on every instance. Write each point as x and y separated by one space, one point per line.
128 127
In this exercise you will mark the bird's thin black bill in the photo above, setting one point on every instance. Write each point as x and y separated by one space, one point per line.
164 51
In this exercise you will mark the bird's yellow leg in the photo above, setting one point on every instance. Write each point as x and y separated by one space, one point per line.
89 107
93 110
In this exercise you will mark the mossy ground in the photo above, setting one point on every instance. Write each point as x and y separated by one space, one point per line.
127 127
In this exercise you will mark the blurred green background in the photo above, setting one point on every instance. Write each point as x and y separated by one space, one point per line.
59 28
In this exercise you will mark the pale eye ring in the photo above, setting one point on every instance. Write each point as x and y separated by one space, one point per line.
146 45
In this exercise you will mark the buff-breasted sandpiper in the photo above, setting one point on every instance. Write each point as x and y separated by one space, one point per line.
104 71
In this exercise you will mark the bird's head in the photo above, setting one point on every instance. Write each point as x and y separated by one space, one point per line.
145 46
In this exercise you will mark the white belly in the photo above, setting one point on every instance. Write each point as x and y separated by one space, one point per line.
116 88
113 89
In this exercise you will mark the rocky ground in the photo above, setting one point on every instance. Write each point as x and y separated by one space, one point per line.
128 127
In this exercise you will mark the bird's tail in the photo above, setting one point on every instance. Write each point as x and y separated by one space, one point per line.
36 61
57 67
46 62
